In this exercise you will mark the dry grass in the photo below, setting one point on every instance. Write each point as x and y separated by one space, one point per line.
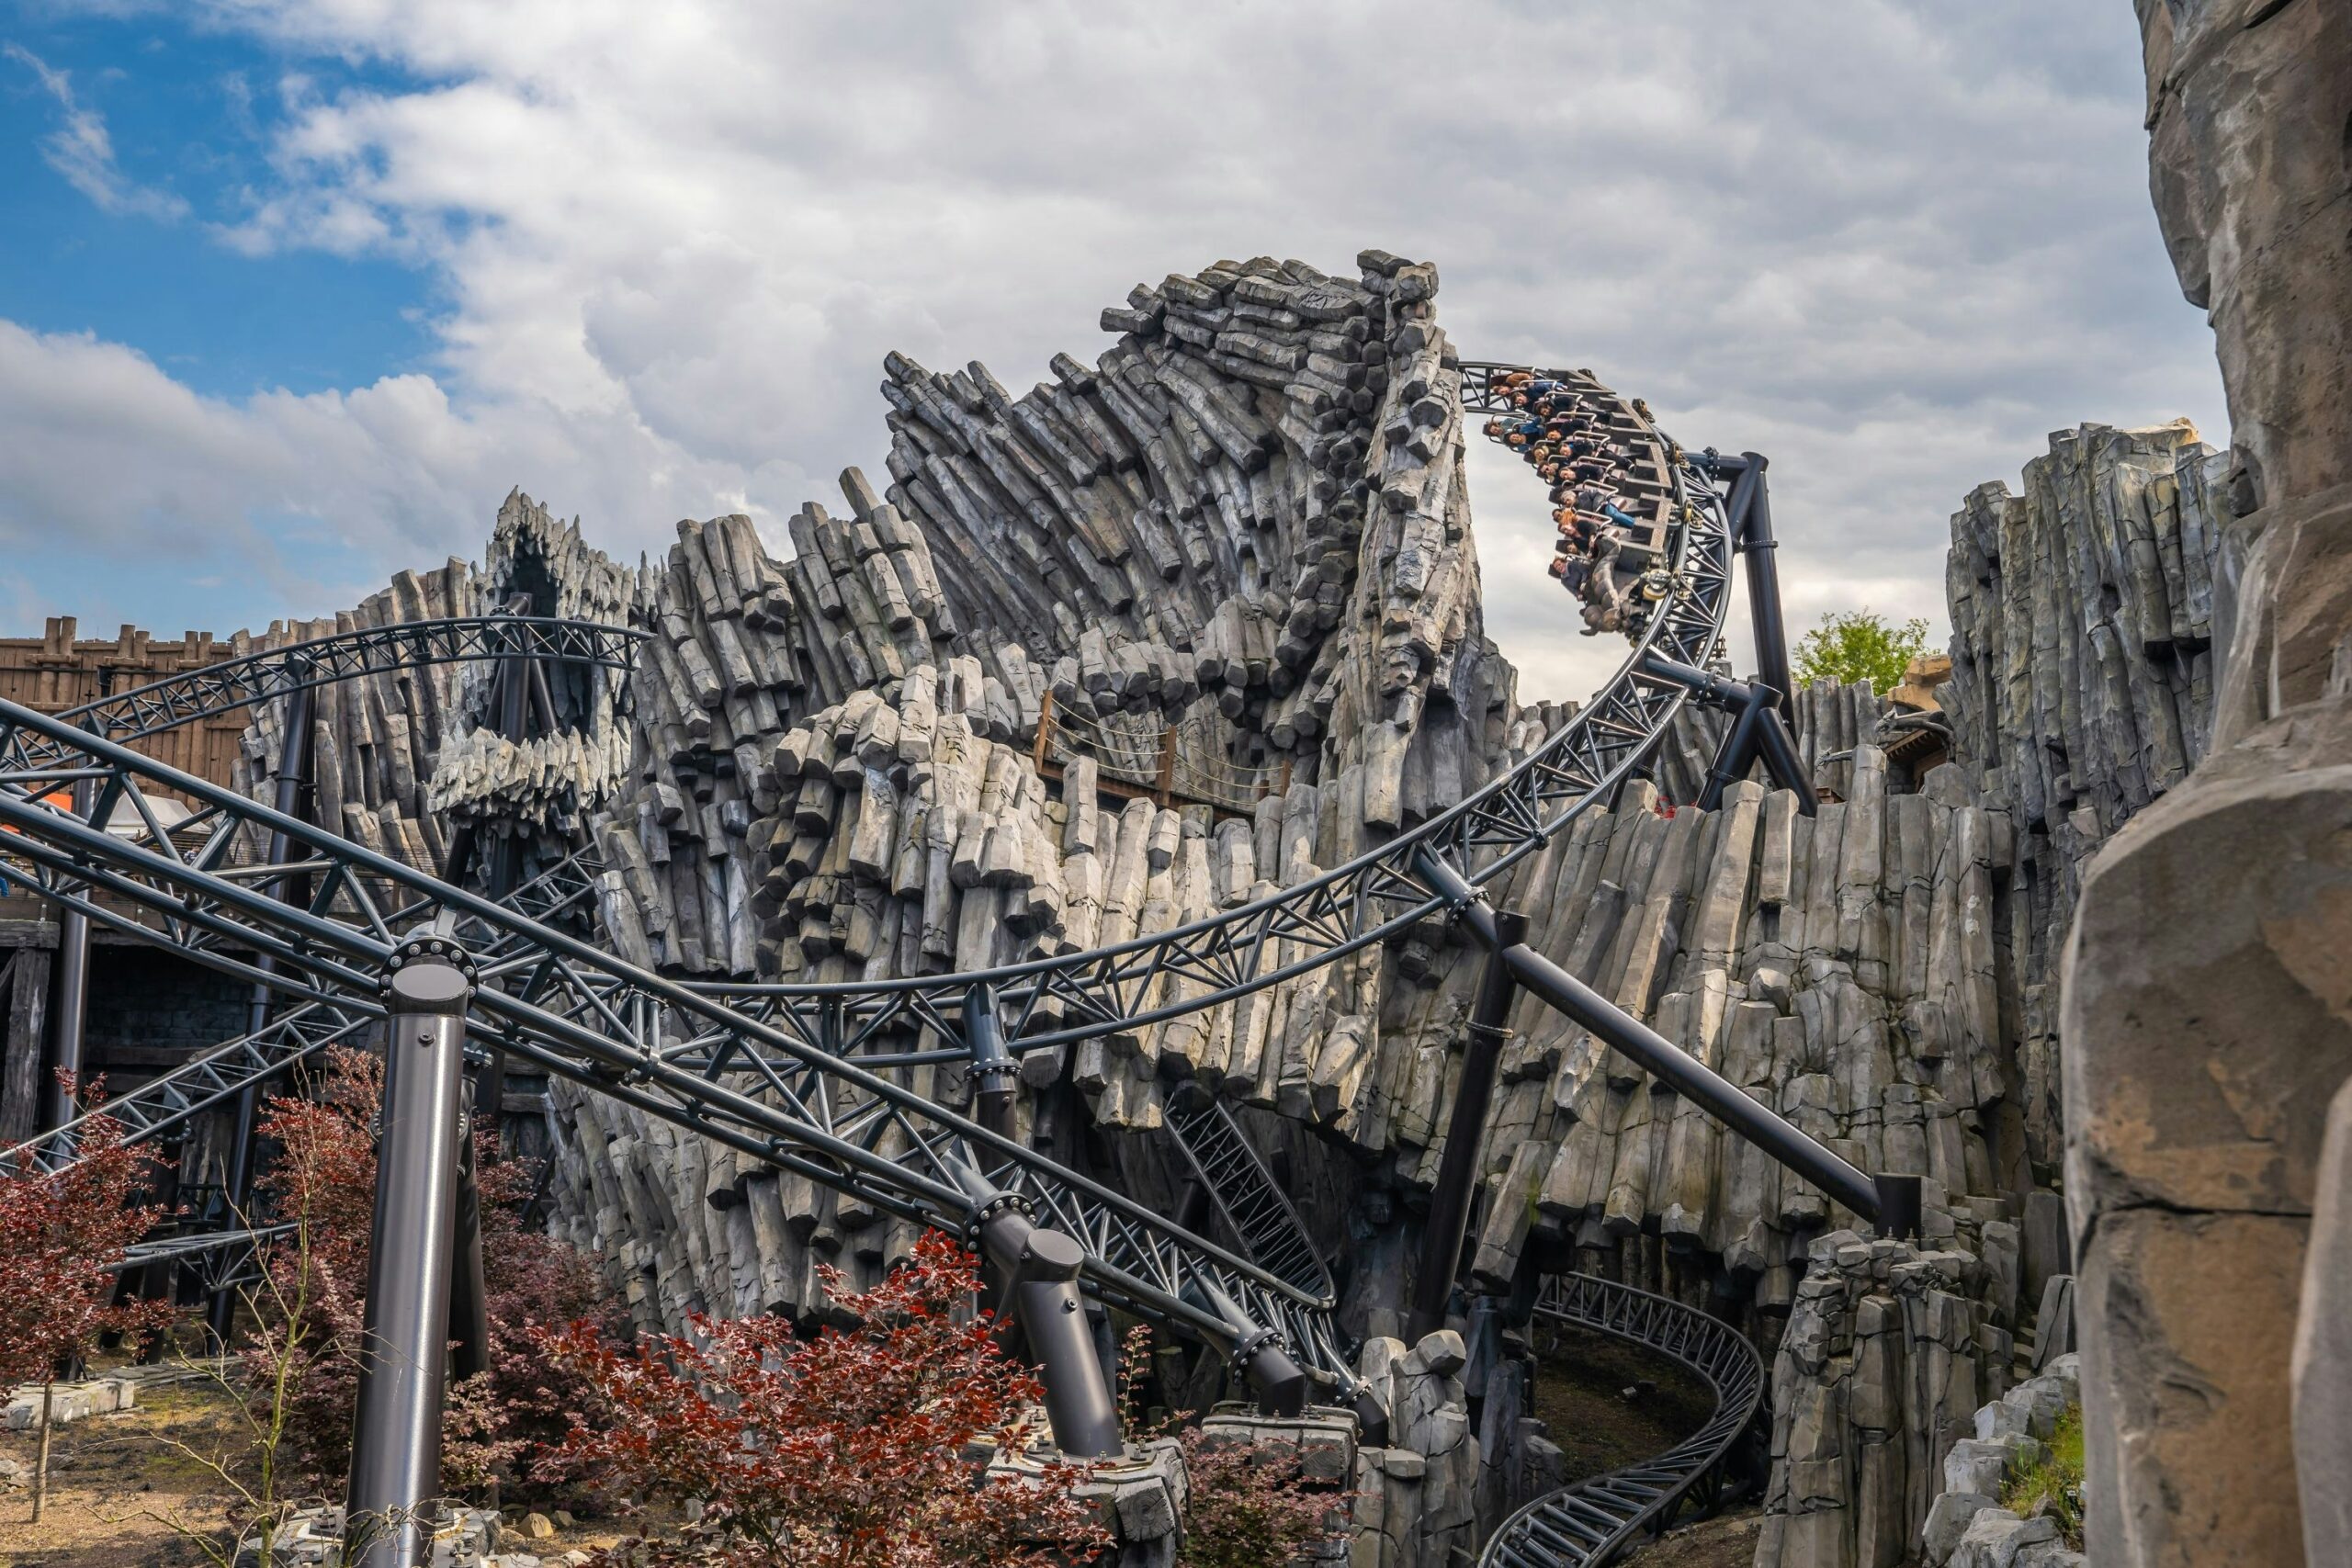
121 1495
116 1490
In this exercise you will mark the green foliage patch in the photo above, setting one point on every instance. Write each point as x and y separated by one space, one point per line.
2054 1485
1860 645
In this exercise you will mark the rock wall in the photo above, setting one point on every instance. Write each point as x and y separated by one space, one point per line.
1247 523
1966 1527
2205 1018
399 759
1888 1353
2083 613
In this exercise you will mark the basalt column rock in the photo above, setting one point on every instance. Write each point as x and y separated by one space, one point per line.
2206 1019
2084 615
400 758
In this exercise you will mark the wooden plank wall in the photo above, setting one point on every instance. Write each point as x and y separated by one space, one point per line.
57 671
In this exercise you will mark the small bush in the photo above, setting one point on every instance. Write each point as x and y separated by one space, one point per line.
1860 645
1240 1512
2054 1485
850 1449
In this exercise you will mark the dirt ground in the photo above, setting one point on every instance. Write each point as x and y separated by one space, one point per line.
1581 1386
121 1495
1726 1542
1580 1383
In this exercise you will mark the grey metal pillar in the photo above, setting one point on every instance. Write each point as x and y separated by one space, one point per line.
237 1178
1750 512
1258 1351
396 1435
1760 716
158 1279
992 1066
69 1009
469 1289
1734 755
512 703
1457 1171
1685 1074
1039 1269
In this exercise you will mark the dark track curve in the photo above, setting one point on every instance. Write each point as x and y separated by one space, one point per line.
1589 1522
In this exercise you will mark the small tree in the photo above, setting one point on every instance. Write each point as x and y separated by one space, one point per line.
303 1368
1860 645
847 1450
247 1467
58 1234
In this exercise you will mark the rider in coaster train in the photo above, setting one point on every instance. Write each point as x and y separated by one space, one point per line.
1551 429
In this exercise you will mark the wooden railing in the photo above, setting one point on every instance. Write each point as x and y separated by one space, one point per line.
1142 755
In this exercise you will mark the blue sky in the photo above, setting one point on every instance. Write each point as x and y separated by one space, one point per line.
189 116
292 291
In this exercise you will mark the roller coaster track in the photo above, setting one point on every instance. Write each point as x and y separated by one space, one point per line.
802 1076
1589 1523
233 684
212 1077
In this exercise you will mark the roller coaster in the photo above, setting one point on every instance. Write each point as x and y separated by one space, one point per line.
818 1079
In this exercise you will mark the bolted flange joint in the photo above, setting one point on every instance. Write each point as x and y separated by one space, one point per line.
999 1202
438 949
1246 1348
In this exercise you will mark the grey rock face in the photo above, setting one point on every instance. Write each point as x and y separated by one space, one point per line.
2321 1367
2084 614
2203 1043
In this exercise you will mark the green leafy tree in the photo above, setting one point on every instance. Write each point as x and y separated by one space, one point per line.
1860 645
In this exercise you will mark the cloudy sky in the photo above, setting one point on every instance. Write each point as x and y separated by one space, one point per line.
292 291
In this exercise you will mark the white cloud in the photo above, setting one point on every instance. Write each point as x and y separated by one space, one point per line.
1888 245
81 150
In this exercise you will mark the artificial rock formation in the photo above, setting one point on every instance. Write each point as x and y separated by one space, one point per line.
909 748
2084 615
2205 1017
1246 526
1966 1528
399 759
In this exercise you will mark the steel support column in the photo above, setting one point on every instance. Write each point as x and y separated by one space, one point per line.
70 1006
237 1179
396 1436
1768 731
1749 512
993 1069
1258 1352
1457 1171
1041 1270
1736 755
511 701
468 1290
1788 1143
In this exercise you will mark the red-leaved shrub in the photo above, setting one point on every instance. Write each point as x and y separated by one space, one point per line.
1242 1507
846 1451
59 1233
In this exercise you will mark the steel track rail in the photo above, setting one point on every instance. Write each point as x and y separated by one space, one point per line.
235 683
1590 1522
214 1078
565 1006
225 1259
